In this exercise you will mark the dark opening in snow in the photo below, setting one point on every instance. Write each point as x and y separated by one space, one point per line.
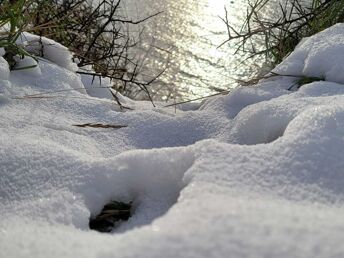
111 216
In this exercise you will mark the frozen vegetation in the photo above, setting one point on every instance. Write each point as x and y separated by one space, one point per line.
256 173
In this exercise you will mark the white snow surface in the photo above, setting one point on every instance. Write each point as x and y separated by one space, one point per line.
256 173
49 49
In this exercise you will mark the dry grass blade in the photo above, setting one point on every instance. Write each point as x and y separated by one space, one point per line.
101 126
197 99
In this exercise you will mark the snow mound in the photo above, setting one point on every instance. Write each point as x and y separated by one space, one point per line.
318 56
101 87
256 173
97 86
49 49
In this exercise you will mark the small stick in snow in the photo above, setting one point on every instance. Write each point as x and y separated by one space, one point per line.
101 126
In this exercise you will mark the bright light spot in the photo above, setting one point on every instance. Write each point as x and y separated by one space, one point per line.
217 6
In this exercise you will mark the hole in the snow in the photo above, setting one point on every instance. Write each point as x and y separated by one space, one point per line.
111 216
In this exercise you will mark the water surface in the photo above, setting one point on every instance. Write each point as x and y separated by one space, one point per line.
185 38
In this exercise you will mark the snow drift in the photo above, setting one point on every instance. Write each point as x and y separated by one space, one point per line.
256 173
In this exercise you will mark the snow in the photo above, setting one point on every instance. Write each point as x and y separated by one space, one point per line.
255 173
4 69
28 65
50 50
318 56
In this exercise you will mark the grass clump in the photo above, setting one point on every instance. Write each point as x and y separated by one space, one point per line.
98 33
12 23
281 31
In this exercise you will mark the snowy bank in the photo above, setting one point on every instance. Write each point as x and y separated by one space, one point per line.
257 173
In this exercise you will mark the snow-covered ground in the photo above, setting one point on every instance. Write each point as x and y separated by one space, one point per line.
257 173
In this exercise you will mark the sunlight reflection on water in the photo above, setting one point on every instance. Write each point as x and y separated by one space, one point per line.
186 36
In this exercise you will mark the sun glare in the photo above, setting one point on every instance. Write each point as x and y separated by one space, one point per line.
217 5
